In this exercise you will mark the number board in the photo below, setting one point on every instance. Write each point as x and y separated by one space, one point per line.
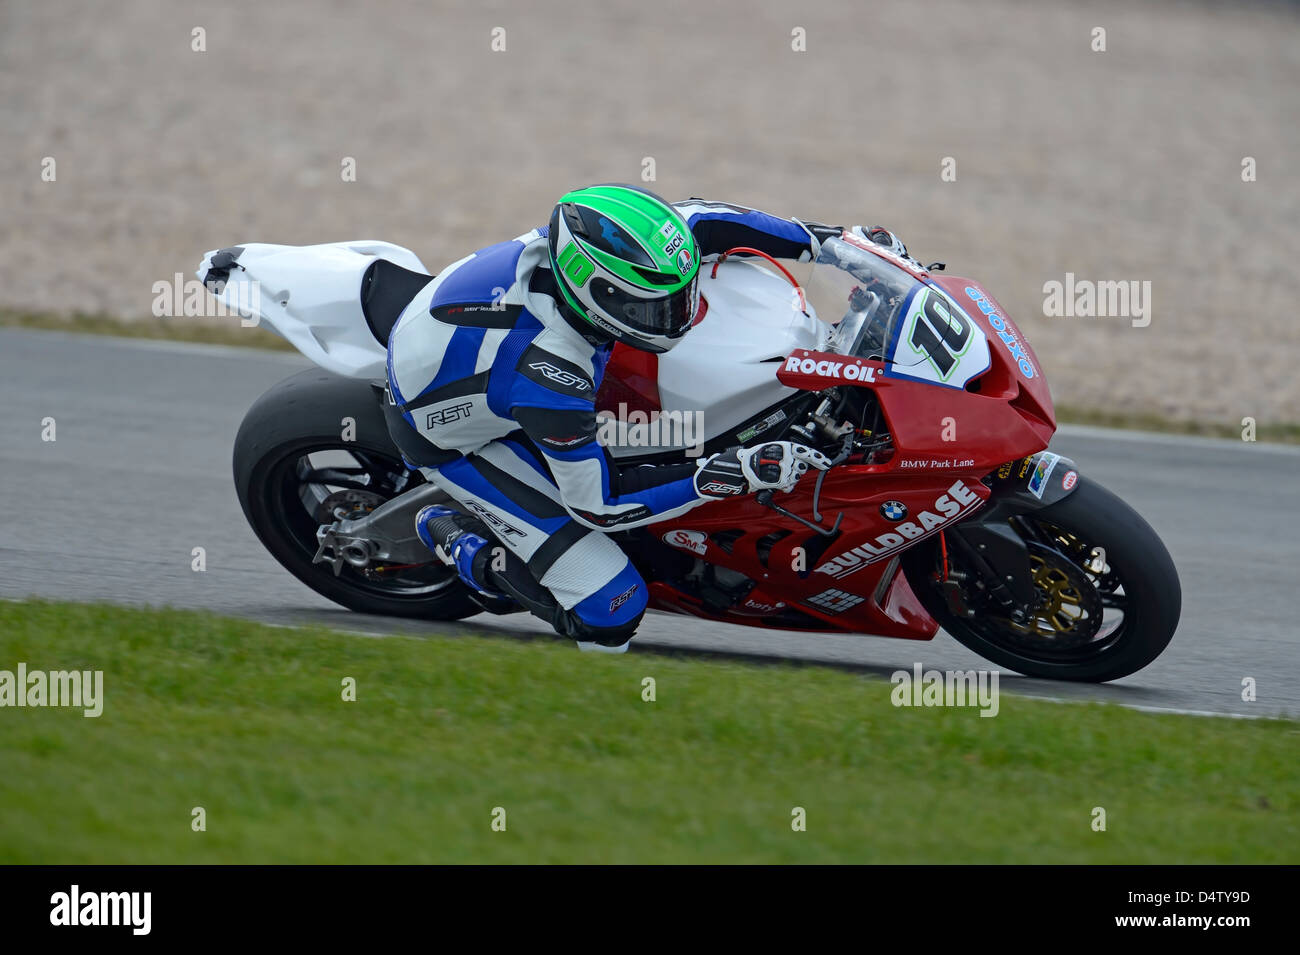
937 342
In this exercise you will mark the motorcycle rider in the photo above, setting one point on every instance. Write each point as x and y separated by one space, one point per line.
493 370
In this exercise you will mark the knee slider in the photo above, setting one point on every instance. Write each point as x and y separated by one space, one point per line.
611 615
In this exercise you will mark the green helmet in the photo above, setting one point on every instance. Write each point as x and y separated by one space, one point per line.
625 261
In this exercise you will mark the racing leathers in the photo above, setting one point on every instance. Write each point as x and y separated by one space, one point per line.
492 382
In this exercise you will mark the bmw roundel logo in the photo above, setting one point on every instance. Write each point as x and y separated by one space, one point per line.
893 510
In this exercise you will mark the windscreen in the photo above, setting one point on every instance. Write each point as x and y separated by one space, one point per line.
861 294
883 313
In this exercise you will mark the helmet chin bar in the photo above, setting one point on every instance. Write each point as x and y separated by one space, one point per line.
583 325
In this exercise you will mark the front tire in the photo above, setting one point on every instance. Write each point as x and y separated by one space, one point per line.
1110 598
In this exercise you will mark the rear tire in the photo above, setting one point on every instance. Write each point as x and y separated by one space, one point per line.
1135 560
304 415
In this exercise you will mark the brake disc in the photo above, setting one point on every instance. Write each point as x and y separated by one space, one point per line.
1068 612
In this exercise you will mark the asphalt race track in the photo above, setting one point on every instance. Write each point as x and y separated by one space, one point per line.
139 475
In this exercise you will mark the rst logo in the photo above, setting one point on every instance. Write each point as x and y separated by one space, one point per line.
622 598
448 414
958 500
502 528
560 376
720 487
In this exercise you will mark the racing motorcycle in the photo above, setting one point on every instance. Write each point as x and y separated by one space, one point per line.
943 506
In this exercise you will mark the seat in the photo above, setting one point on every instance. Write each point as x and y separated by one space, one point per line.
386 290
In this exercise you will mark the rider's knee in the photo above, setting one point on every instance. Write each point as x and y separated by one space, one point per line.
611 615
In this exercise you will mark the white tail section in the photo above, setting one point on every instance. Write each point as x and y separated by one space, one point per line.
311 295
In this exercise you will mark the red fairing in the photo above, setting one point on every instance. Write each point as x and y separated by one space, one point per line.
632 377
850 583
631 380
946 440
1034 402
1002 414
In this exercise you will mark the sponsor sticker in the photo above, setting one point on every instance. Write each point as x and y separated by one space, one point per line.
776 417
936 464
956 501
697 542
1070 479
604 325
1005 331
1042 471
893 510
856 371
834 601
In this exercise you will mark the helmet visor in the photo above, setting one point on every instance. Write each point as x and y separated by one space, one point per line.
669 316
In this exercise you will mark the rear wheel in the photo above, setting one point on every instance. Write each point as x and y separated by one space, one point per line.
1108 596
294 472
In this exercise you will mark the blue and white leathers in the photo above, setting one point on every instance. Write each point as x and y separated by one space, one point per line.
492 395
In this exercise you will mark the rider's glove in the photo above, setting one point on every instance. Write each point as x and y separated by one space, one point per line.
776 465
882 237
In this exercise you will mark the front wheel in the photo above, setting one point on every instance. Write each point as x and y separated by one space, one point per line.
1108 596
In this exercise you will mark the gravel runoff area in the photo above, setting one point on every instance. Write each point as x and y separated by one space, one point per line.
1117 165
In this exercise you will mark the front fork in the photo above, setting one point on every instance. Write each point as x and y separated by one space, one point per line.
990 543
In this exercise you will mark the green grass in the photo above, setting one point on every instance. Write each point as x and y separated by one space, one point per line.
228 331
247 721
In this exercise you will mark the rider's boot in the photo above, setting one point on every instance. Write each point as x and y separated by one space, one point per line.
459 540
